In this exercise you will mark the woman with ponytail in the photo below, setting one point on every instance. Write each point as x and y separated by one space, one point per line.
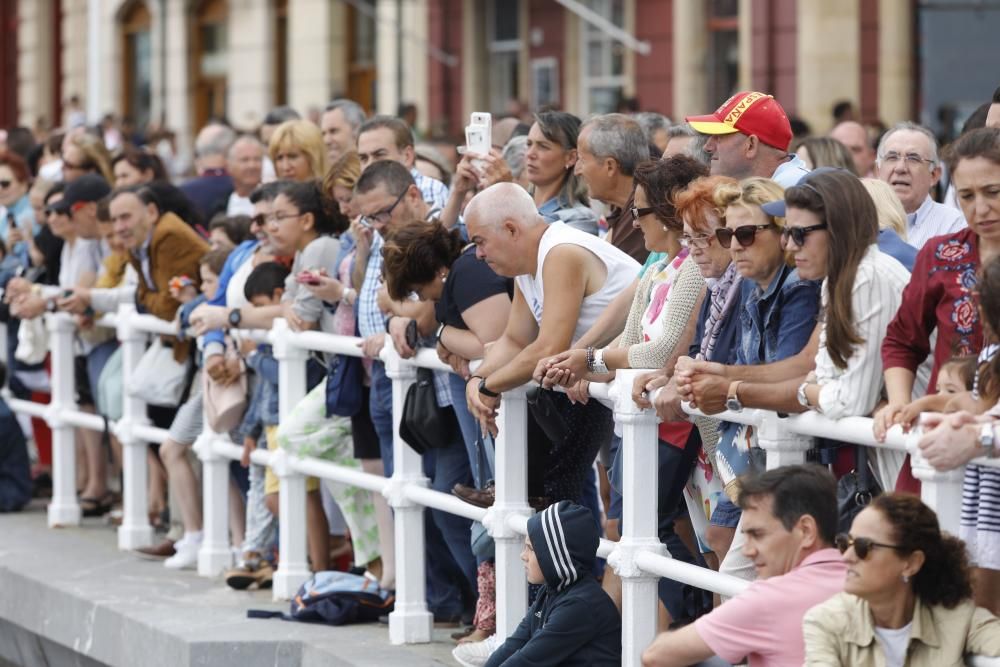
907 599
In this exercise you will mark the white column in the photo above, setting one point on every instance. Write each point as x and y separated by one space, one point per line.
293 566
783 447
895 61
251 59
941 491
387 46
410 622
510 479
178 86
640 471
135 531
64 510
95 43
828 58
309 47
690 36
214 556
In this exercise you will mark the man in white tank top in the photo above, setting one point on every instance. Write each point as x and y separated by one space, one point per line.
564 279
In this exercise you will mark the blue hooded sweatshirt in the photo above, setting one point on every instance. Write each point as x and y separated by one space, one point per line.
573 621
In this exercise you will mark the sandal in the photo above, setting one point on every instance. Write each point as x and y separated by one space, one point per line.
95 507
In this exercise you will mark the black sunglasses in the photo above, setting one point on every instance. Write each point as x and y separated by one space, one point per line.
745 234
798 234
639 212
862 545
5 184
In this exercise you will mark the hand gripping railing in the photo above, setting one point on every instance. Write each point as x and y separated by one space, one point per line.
639 558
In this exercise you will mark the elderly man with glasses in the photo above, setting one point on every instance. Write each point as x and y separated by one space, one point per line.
908 161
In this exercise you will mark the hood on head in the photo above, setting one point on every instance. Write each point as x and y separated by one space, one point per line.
564 537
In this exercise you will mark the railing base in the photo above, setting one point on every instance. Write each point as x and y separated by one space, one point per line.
410 627
287 583
60 516
214 561
134 537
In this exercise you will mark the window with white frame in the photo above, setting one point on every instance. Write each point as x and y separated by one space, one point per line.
602 60
503 53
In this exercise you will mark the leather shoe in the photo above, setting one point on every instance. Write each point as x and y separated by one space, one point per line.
478 497
164 549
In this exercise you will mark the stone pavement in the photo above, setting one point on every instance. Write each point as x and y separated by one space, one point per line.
69 597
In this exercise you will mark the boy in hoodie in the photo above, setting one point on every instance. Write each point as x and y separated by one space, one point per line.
573 621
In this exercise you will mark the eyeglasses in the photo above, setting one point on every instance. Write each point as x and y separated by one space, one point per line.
745 234
701 242
912 159
639 212
5 184
862 545
798 234
259 220
382 217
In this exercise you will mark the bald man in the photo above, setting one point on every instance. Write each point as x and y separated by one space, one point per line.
563 280
855 137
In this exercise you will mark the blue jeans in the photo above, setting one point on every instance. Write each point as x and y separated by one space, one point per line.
471 433
449 555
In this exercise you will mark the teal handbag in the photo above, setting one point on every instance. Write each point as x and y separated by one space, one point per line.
110 387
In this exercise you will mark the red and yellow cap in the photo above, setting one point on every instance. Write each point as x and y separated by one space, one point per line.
750 113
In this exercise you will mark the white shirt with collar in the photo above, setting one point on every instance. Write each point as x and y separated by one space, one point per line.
930 220
238 205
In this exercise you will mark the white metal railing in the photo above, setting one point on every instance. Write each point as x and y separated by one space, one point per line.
638 558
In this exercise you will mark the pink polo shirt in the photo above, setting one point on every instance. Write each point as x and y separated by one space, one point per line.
764 622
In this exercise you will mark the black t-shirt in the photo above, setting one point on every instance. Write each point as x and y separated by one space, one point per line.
470 281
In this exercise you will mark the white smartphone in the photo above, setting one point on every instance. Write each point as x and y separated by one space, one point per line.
479 133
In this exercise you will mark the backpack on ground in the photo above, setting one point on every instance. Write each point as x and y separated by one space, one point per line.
335 598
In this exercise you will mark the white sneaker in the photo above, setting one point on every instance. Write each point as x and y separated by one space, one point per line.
475 654
186 556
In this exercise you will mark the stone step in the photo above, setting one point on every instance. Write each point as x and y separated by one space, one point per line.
70 597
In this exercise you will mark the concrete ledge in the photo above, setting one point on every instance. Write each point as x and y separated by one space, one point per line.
69 597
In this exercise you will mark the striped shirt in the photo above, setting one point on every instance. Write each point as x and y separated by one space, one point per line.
875 298
432 190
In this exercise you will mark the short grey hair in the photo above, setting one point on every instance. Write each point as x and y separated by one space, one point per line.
913 127
215 139
684 130
501 202
513 154
353 112
618 137
251 138
651 123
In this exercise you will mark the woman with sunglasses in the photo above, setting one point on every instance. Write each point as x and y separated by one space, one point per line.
831 231
18 226
907 599
777 316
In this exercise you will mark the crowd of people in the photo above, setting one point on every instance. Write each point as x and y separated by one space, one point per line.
738 266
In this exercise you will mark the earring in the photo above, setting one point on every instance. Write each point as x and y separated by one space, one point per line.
906 579
444 277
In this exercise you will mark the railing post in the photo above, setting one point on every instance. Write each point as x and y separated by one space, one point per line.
510 480
783 446
640 472
64 510
941 491
214 556
135 531
410 622
293 566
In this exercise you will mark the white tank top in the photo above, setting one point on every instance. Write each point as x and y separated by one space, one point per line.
621 270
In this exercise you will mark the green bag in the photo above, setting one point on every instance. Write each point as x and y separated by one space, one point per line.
110 388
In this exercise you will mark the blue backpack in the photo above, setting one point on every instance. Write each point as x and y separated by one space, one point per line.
335 598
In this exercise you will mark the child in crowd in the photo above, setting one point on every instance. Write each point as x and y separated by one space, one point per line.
955 381
573 621
182 287
264 287
15 469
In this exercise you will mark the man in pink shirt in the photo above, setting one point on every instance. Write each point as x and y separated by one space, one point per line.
789 520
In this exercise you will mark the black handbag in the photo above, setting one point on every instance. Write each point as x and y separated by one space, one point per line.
855 490
543 407
424 425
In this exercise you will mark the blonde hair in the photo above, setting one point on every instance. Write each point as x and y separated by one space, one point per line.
750 193
304 136
95 154
891 214
345 172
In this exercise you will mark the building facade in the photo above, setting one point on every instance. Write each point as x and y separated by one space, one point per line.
181 62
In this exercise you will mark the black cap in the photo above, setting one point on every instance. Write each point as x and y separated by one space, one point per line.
87 188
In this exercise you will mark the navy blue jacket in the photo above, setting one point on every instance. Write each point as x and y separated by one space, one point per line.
15 470
573 621
209 192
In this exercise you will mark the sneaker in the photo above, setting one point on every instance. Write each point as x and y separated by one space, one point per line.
253 570
186 557
475 654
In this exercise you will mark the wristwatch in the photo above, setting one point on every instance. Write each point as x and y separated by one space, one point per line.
235 317
987 440
802 396
437 334
599 365
486 392
733 399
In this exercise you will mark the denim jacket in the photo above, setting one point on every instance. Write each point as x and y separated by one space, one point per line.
263 408
574 215
775 324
